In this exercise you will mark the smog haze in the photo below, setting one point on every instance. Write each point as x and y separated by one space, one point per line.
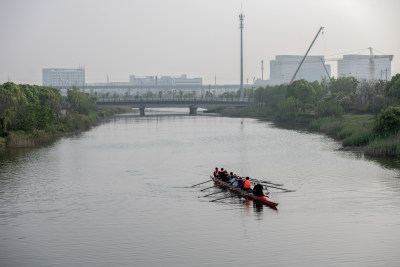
197 38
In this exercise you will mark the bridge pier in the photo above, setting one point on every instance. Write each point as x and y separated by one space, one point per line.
141 109
192 110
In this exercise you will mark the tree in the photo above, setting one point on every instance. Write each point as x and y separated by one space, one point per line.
303 91
329 108
13 104
345 85
287 108
320 90
80 102
392 88
388 121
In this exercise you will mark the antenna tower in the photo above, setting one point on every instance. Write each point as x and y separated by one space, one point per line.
262 70
241 17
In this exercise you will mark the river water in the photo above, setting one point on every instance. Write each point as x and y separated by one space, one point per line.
120 195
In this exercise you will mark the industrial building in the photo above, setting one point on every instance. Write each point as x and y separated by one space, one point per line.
283 67
164 80
63 78
366 67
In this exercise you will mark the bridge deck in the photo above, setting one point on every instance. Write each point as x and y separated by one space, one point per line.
176 102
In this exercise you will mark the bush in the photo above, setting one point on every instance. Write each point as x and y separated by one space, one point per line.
388 122
329 108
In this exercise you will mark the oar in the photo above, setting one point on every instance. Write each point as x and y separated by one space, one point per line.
201 183
214 193
206 188
265 182
220 198
284 189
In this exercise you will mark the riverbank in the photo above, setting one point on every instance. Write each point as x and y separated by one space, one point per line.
352 130
65 125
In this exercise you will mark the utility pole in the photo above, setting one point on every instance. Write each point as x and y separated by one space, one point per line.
262 70
241 17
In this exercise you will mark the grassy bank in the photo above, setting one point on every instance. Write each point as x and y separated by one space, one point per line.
70 123
353 130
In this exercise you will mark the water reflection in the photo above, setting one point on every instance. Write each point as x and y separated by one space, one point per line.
116 196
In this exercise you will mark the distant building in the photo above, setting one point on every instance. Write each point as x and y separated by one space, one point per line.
64 78
283 67
363 67
146 80
184 80
164 80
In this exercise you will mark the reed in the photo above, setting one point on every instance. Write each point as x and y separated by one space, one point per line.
328 125
384 147
360 137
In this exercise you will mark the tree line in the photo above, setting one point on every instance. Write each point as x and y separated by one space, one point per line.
31 107
303 100
329 97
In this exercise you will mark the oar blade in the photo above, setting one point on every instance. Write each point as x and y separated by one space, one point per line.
201 183
220 198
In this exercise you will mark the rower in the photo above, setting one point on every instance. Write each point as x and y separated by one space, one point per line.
247 184
240 182
231 178
258 189
216 172
234 180
220 173
223 175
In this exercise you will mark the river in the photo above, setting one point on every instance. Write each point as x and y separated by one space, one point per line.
120 195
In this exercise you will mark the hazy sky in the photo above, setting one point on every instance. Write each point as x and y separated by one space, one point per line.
200 38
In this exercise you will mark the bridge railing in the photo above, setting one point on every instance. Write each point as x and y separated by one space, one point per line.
176 99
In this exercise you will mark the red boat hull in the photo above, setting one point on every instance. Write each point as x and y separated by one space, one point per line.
262 200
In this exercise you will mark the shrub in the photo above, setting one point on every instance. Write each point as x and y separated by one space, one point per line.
329 108
388 122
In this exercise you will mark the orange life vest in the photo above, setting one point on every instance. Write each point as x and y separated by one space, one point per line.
247 184
216 173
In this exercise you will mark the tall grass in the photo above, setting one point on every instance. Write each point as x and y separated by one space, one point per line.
327 125
353 130
384 147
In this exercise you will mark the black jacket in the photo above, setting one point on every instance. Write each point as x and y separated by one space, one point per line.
258 190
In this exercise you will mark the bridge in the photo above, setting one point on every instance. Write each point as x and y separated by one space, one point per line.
192 103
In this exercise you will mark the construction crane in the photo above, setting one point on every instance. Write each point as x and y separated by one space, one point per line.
315 38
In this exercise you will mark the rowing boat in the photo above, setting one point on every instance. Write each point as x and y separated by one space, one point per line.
262 200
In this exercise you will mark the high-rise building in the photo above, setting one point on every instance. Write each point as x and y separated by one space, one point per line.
61 77
283 67
366 67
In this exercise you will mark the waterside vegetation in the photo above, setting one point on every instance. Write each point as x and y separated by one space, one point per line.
31 114
363 114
